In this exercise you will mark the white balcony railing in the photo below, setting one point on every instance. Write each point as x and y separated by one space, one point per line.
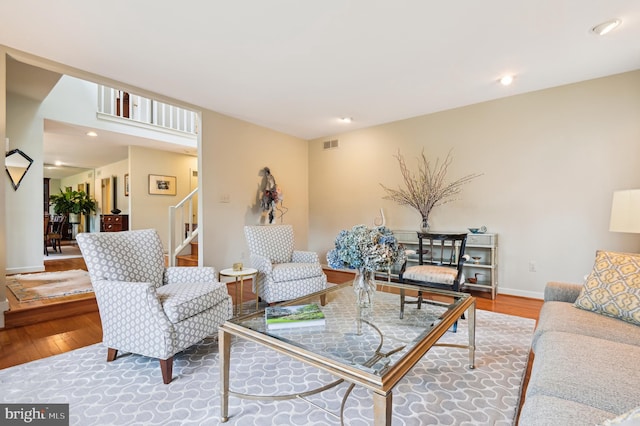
119 103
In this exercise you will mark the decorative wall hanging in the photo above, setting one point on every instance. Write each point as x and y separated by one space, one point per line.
16 164
271 199
162 185
126 184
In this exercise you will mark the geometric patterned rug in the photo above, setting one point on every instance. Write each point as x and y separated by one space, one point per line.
129 391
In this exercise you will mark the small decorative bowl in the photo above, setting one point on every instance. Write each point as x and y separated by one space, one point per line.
476 259
480 230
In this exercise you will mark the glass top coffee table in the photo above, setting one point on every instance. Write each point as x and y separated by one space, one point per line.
375 352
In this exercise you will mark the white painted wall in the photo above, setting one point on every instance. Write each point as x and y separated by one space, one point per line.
4 304
550 162
75 101
23 216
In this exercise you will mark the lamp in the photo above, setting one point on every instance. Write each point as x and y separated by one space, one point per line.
625 211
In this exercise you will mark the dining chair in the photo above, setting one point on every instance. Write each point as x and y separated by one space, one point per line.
441 258
54 233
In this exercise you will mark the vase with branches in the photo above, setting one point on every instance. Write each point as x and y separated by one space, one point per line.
428 188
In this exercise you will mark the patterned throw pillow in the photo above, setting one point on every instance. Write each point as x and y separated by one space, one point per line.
613 287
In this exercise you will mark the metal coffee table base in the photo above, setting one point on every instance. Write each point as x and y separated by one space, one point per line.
381 383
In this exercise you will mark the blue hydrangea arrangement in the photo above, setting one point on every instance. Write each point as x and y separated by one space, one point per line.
364 248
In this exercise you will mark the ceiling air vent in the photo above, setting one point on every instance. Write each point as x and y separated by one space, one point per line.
330 144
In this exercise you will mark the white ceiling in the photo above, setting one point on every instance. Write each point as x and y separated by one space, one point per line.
296 66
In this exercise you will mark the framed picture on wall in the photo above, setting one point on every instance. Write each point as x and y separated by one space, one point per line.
162 185
126 184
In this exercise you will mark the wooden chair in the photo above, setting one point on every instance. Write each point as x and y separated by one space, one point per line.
45 233
440 261
54 233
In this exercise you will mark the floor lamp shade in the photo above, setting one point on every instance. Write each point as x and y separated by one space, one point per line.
625 211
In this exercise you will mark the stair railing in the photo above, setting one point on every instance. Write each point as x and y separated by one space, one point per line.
181 226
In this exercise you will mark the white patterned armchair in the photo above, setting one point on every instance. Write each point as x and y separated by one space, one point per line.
148 309
283 273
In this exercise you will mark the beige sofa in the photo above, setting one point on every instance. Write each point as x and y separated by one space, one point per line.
586 369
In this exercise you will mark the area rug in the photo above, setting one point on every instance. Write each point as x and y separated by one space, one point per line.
49 285
129 391
71 251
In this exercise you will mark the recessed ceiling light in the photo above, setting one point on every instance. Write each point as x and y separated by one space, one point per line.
58 163
92 134
506 80
346 119
606 27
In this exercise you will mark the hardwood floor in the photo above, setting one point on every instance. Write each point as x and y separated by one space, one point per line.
23 343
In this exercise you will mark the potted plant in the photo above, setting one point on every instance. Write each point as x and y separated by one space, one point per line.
72 202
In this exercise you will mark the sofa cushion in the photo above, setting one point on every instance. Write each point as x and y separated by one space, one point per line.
543 410
630 418
181 301
613 286
431 273
562 316
587 370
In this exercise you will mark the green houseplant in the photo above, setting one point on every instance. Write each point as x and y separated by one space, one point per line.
73 202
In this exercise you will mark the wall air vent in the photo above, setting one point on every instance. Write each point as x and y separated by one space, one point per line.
330 144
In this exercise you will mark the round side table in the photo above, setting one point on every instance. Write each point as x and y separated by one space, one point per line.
240 276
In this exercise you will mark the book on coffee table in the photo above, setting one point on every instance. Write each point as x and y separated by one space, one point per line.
279 317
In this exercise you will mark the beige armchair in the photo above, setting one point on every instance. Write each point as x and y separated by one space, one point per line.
283 273
148 309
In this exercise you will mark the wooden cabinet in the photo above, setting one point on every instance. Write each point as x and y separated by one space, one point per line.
114 222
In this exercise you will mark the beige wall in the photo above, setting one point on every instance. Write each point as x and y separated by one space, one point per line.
550 162
116 170
232 154
152 211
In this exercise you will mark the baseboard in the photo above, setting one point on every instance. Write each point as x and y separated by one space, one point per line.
521 293
4 306
25 270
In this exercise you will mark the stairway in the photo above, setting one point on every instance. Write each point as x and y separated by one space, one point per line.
189 259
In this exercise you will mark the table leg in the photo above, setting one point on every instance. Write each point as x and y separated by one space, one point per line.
237 308
255 280
224 343
241 292
382 408
472 335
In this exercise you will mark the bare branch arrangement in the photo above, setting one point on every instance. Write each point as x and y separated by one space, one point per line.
426 189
